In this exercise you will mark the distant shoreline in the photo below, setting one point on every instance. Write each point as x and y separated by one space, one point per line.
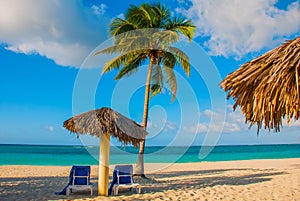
168 164
81 155
219 145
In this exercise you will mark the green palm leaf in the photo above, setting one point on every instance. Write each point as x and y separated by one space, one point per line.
132 64
181 25
118 26
141 16
164 38
157 80
171 81
181 59
118 61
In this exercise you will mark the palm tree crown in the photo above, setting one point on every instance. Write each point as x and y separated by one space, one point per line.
145 34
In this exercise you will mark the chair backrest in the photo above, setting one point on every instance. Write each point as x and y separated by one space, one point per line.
124 174
81 175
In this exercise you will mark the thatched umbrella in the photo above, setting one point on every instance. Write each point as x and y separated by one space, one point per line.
267 88
101 123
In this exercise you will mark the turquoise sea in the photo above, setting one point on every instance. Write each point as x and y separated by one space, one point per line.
80 155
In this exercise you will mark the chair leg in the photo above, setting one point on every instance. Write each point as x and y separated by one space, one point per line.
116 190
68 191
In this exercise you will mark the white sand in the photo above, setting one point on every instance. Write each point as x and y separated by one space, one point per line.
234 180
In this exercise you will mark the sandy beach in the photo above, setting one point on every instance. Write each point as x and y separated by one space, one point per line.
232 180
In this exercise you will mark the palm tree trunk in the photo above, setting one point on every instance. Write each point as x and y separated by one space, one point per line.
139 168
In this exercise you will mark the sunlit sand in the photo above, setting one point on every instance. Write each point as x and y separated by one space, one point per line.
233 180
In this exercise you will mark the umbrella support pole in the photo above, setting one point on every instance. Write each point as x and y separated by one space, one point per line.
104 164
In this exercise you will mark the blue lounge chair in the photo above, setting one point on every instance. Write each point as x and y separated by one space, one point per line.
123 178
79 180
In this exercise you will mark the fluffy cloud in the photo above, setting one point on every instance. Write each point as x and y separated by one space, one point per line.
236 28
64 31
160 125
234 122
169 125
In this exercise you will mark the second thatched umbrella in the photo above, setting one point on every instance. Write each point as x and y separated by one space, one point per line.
103 123
267 88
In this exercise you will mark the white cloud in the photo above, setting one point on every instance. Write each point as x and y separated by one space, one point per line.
237 27
50 128
64 31
169 125
160 125
234 122
199 128
99 10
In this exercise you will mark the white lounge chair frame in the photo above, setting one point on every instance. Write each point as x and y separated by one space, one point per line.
79 187
117 186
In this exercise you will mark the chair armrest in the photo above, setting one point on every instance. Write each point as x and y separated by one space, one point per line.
124 175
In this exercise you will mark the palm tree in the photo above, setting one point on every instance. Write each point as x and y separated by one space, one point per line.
146 35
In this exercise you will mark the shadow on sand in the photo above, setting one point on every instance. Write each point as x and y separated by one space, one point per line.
45 187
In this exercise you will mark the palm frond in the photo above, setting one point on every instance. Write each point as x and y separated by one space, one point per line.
140 16
168 59
128 42
159 15
132 64
120 60
181 25
110 50
114 63
162 11
157 80
181 58
171 81
164 38
119 26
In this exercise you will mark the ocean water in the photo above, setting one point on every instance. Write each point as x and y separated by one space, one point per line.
80 155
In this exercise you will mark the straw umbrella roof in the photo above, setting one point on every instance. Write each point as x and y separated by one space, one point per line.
105 120
267 88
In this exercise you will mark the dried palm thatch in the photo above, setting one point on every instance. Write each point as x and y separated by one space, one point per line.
267 88
105 120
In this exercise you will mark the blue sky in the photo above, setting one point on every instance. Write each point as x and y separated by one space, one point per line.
45 78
